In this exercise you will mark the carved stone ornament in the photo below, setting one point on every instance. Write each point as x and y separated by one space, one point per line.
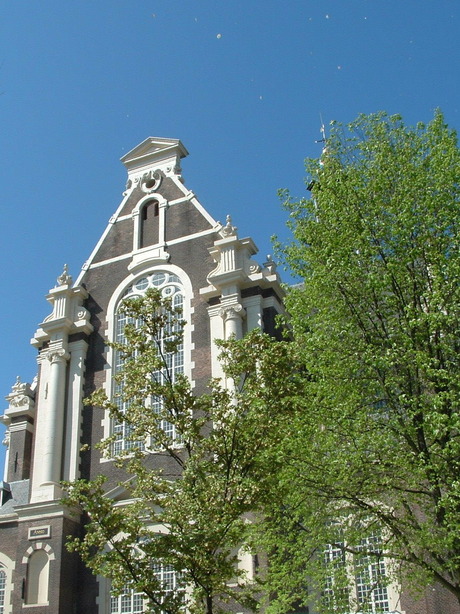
228 230
81 313
19 401
128 186
20 395
6 439
175 170
18 387
55 355
64 278
232 312
150 181
253 267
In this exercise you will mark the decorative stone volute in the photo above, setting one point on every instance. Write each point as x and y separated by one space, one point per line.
232 315
234 311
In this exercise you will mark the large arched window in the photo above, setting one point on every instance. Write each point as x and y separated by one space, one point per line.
6 586
367 576
131 601
2 589
170 286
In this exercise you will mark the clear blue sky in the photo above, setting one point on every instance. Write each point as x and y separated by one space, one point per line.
242 83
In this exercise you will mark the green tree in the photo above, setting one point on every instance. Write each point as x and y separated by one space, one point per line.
192 516
371 465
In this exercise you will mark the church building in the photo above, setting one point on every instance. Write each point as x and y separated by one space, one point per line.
160 237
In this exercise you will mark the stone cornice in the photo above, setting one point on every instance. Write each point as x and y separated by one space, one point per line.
34 511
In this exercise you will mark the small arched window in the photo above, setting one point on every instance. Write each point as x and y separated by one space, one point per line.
149 224
37 578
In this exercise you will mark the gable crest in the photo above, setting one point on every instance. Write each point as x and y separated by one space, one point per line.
155 152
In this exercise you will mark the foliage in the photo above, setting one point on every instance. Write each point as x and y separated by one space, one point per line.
374 445
187 497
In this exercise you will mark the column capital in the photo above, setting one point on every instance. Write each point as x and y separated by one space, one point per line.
56 355
232 312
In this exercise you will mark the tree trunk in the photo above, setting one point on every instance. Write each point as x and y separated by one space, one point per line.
209 604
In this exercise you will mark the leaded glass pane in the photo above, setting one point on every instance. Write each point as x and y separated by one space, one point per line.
133 602
370 578
129 602
2 590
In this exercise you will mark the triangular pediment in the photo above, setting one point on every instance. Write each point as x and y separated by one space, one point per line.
153 150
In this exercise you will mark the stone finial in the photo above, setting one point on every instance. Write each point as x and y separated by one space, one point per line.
64 278
18 386
228 230
270 264
19 389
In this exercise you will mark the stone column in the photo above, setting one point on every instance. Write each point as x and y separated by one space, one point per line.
51 453
233 320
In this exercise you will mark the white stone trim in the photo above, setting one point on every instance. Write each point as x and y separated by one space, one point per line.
217 331
8 565
129 255
7 518
272 301
190 196
45 532
43 511
254 311
112 220
21 426
38 546
74 408
162 204
96 265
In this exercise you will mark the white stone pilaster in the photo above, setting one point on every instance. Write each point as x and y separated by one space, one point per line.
254 312
77 350
162 208
217 332
6 442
